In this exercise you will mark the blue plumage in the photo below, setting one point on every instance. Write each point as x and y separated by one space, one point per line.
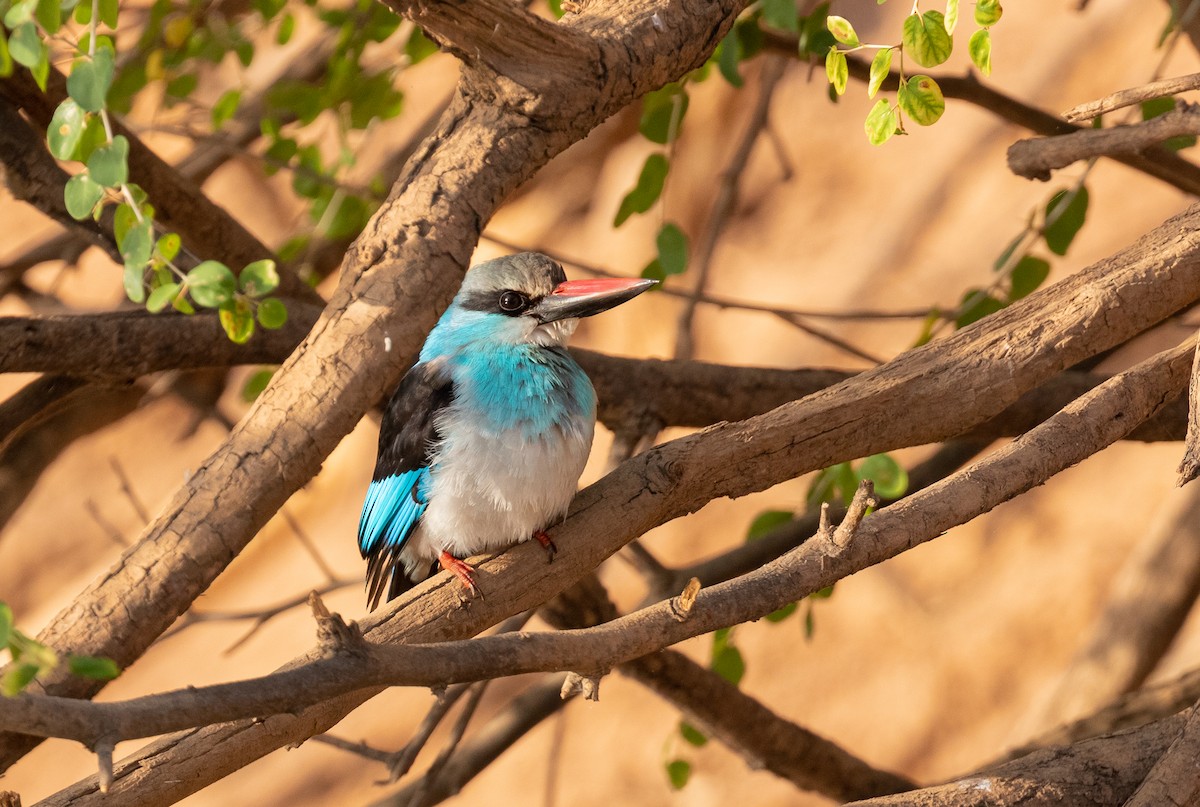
484 440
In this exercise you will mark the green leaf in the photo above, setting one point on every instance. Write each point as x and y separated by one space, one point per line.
255 384
921 99
419 47
1064 218
951 21
781 14
109 164
66 129
822 593
272 313
692 735
225 107
662 113
287 25
137 245
25 45
123 219
927 325
836 70
1161 106
41 69
729 56
161 297
98 668
881 123
259 278
49 14
646 192
980 48
672 246
988 12
766 521
17 678
6 624
881 65
81 195
782 613
678 772
168 246
108 12
925 38
183 85
6 61
728 664
93 138
1027 276
133 280
975 305
238 321
91 79
842 30
211 284
890 478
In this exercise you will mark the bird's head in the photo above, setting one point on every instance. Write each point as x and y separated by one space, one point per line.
524 299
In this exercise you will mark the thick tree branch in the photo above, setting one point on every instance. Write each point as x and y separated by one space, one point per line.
1094 421
959 380
633 392
397 276
33 176
1036 157
1113 766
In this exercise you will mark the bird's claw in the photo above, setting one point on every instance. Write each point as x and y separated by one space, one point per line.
462 570
551 549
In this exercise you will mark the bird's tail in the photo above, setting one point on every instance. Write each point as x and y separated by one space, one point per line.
387 572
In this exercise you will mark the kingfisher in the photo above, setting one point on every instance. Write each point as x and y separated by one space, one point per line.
483 442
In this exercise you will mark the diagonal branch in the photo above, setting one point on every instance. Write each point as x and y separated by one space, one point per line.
1094 421
1036 157
396 278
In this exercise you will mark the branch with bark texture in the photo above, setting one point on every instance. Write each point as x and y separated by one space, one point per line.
1092 422
1131 96
397 277
1036 157
960 380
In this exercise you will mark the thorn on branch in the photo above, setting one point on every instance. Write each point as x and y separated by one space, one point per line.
681 606
335 636
104 759
839 538
586 685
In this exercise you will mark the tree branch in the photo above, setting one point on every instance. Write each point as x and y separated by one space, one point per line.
1159 163
1035 158
397 277
1113 766
1134 95
1096 420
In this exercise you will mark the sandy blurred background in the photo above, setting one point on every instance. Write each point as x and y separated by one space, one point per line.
930 664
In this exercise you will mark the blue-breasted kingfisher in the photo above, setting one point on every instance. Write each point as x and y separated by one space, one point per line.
482 444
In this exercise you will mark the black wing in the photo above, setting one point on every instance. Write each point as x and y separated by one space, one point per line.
396 498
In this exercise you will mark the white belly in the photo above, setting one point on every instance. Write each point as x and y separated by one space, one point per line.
492 490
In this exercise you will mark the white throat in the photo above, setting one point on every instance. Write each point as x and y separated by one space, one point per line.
554 334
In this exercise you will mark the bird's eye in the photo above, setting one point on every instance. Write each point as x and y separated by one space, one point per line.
512 301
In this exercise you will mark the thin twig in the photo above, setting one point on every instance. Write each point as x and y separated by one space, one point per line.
725 201
308 545
127 489
438 768
1131 96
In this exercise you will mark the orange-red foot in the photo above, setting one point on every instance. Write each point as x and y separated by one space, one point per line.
542 538
461 570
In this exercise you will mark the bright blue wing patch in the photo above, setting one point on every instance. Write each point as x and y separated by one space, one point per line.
393 506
